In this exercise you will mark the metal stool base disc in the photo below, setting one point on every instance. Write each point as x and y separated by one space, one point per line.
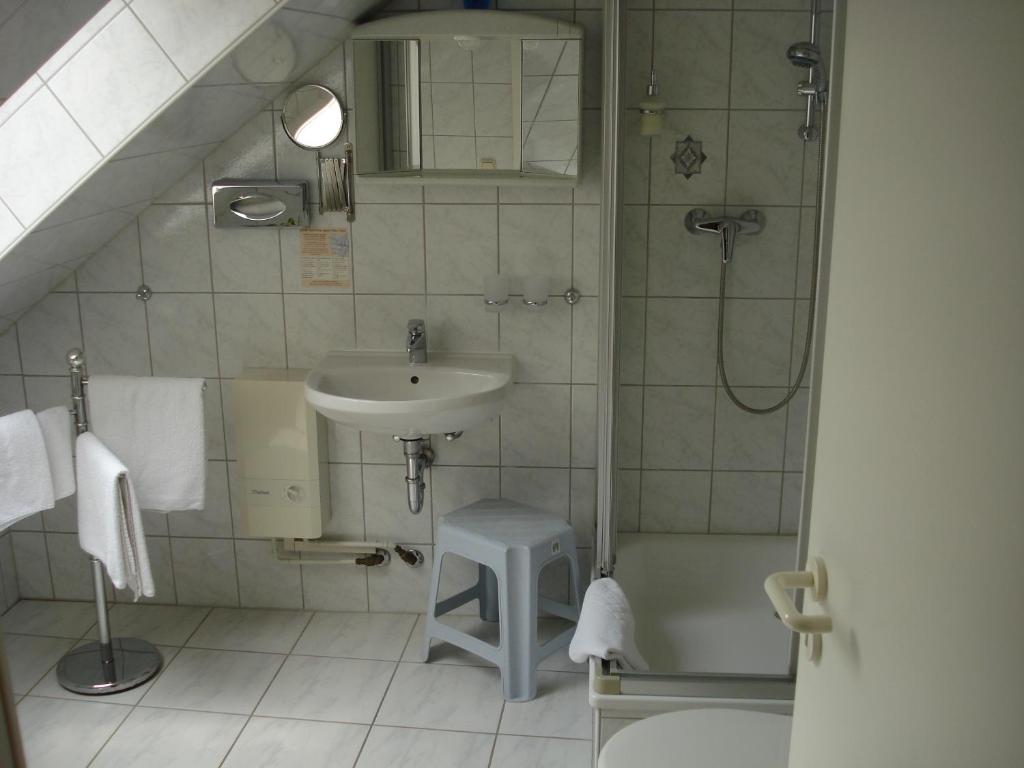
134 662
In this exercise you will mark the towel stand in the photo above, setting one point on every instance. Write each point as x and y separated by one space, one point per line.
107 665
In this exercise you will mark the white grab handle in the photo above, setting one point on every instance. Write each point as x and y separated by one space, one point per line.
814 579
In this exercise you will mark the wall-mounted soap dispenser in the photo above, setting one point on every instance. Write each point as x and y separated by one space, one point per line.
281 446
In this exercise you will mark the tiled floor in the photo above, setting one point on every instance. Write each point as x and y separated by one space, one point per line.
244 688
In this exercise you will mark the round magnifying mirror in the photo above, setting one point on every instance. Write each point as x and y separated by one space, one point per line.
312 116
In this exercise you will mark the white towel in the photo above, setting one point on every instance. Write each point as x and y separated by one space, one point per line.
109 524
606 628
55 424
25 483
155 426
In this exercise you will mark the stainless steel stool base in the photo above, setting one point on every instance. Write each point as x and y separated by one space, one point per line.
129 663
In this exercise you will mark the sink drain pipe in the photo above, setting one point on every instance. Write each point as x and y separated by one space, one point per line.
418 458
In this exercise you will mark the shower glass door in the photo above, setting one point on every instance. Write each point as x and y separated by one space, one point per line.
707 486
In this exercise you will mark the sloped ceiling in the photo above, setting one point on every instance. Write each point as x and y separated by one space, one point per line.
30 33
244 78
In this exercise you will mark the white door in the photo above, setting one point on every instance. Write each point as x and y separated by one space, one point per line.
918 470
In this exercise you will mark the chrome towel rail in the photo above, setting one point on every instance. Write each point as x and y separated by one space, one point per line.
107 665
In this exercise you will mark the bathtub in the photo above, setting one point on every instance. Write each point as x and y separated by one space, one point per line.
704 625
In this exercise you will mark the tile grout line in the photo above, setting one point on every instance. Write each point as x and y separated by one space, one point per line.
643 321
150 684
353 250
95 166
387 688
149 33
220 376
74 644
497 256
46 541
109 738
24 388
644 304
725 202
266 690
497 732
145 309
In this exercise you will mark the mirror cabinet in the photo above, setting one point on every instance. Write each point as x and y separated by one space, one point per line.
459 96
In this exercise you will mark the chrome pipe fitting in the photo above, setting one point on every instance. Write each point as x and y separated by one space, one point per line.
411 557
418 458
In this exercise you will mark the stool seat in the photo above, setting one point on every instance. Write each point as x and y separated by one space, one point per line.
506 523
511 543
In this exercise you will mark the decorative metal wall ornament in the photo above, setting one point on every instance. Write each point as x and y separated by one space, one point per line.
688 157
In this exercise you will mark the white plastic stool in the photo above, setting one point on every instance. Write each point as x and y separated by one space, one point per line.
511 543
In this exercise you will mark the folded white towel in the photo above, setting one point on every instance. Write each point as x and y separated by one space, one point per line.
25 483
155 426
109 519
55 424
606 628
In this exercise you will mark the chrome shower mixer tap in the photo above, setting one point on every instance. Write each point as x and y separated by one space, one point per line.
750 222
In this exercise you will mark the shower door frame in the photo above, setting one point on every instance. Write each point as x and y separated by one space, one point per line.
679 684
608 281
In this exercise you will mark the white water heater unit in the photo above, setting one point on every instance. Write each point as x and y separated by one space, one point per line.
281 447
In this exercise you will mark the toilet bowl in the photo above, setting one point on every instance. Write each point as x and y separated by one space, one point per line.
701 738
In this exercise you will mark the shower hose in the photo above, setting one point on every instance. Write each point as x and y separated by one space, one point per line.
790 393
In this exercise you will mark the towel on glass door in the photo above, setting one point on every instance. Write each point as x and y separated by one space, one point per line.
109 518
26 486
155 426
55 424
606 628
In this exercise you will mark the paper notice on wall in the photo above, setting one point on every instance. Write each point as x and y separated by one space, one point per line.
325 260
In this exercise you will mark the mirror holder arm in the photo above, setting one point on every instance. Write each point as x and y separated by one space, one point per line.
347 185
335 193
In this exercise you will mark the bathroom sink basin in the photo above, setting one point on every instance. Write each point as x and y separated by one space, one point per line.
383 392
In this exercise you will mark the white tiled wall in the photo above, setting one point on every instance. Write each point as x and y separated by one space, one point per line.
690 461
136 96
225 299
109 78
31 32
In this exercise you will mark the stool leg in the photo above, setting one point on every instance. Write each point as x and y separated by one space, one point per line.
488 586
576 578
519 626
435 585
576 585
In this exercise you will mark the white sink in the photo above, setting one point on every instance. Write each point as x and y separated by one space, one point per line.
383 392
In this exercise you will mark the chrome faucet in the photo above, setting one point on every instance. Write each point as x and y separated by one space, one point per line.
416 341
